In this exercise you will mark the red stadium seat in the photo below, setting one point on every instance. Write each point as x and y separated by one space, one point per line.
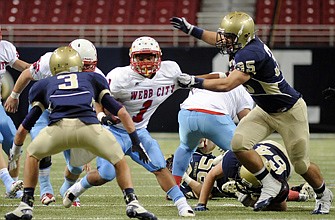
13 12
165 9
328 12
79 11
288 13
57 12
99 12
188 9
35 12
264 11
143 12
121 11
310 11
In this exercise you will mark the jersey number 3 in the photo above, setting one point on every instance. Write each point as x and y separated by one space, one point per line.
71 81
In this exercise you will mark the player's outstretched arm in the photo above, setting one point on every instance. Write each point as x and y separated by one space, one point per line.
199 33
207 186
12 102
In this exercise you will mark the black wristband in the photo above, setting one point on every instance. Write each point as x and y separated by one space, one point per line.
197 32
134 138
198 83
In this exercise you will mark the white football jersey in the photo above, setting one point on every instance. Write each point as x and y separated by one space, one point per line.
142 96
229 103
8 56
41 68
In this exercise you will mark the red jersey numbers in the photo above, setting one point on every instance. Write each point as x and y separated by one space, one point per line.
139 117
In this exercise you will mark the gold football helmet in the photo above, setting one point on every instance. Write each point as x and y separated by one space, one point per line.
236 30
65 59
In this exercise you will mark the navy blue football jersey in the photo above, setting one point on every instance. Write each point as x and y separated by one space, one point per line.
70 95
267 85
278 161
200 165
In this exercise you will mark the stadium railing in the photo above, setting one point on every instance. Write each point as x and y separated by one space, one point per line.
123 35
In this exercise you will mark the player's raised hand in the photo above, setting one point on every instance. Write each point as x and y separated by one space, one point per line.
182 24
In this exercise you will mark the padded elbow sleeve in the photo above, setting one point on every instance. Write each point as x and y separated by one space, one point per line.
111 104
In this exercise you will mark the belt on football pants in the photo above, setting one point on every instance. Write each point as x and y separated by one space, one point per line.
205 111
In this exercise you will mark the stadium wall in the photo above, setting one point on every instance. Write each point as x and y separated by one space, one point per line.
308 70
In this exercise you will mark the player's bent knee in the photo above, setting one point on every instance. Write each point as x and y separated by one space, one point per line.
75 170
237 144
301 167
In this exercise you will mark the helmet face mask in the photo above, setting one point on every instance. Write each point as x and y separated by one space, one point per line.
87 52
237 29
145 56
65 59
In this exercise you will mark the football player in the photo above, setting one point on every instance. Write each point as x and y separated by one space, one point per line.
201 163
141 87
68 95
40 70
279 106
9 57
236 179
207 114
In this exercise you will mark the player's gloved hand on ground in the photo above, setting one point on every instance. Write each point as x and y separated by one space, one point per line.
200 207
328 93
110 120
14 155
138 147
182 24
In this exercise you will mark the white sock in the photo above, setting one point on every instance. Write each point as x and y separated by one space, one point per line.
181 203
77 189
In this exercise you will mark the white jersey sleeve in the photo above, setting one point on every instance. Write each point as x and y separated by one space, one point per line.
141 96
41 68
8 54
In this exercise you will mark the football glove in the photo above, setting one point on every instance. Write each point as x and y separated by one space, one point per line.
14 155
328 93
187 81
200 207
141 151
182 24
110 120
248 200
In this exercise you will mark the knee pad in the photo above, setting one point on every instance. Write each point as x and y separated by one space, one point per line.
45 162
75 170
107 171
238 144
301 167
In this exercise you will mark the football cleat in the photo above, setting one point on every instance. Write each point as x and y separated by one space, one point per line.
69 199
323 203
186 212
47 198
135 210
14 191
23 211
267 197
76 203
307 190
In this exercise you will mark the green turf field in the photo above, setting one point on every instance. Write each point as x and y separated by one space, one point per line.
106 202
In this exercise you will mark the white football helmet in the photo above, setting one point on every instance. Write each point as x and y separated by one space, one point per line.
148 46
87 52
